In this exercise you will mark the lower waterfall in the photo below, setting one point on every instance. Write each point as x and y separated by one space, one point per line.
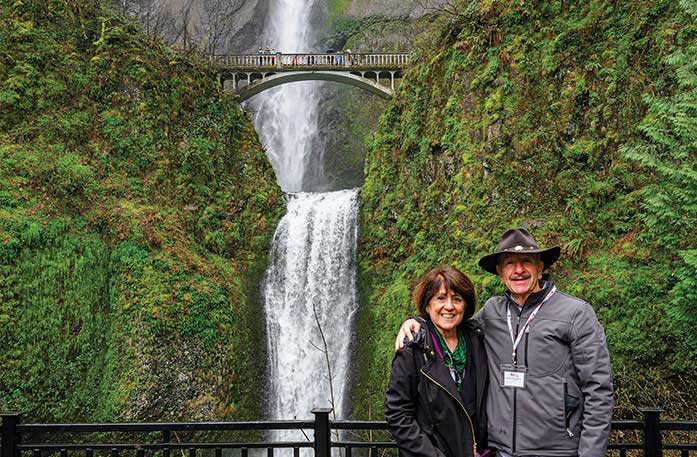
311 285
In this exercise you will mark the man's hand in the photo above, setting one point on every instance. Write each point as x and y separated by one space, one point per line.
405 331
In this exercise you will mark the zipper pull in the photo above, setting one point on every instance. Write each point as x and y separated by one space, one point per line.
571 434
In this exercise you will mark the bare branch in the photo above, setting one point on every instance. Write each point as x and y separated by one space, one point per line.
330 377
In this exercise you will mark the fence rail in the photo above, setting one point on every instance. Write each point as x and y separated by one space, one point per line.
43 440
349 60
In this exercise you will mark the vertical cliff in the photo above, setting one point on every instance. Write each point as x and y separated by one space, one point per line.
570 119
136 209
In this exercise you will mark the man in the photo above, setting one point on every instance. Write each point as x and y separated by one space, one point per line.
550 384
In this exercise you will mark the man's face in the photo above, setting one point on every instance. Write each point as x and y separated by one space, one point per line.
521 274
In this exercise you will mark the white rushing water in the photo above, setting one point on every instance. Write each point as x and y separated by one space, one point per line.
310 282
311 278
286 117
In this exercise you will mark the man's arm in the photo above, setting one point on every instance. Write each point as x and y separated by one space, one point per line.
405 331
411 327
592 361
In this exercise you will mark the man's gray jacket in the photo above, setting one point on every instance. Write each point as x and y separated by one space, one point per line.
565 407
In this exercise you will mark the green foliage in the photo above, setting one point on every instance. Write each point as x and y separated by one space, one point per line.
667 149
71 177
54 329
337 7
343 28
136 208
575 120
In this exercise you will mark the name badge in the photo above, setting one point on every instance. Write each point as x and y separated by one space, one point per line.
513 376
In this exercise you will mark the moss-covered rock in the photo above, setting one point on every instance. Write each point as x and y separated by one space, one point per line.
527 114
136 208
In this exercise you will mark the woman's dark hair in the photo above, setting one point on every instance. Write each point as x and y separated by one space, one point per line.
449 277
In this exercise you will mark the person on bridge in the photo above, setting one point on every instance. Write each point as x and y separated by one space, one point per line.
434 404
550 383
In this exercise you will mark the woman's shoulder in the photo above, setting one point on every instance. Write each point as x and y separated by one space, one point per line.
411 357
472 326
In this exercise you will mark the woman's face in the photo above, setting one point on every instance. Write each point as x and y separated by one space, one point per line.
446 310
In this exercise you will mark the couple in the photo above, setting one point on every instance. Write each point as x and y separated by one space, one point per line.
528 375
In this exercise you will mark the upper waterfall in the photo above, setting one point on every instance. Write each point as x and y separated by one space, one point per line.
286 117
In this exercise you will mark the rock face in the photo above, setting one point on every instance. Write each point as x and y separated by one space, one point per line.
213 26
251 22
133 233
390 8
349 115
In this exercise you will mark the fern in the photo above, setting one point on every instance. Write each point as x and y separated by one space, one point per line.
668 149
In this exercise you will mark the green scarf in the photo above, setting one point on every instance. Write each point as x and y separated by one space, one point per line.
455 359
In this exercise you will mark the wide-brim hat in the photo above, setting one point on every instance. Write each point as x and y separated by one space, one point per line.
519 241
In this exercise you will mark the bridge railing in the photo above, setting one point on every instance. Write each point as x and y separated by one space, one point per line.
281 61
161 438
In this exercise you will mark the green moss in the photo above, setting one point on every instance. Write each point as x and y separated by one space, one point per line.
518 117
337 8
136 206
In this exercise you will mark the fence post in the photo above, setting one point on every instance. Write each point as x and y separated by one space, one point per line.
10 435
322 436
653 447
166 439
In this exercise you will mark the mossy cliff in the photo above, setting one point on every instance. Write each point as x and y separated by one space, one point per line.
136 209
576 120
350 114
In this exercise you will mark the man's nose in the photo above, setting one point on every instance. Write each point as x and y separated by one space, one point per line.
518 267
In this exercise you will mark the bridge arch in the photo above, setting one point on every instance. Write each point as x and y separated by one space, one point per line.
256 85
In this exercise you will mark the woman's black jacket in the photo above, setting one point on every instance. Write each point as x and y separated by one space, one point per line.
423 408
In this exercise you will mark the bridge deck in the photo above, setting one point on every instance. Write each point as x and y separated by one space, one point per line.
312 62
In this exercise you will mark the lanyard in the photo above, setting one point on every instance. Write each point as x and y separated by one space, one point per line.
516 340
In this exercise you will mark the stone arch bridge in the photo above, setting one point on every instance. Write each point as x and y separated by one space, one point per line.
251 74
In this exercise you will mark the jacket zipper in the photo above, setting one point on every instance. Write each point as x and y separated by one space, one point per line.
566 415
474 437
527 337
515 391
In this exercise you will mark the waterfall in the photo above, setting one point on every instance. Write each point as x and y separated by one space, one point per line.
286 117
311 278
310 282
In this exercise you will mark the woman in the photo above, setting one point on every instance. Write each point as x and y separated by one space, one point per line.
434 404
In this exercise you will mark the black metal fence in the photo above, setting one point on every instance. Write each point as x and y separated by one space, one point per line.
155 439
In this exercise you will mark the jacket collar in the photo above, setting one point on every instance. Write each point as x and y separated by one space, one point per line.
424 339
435 367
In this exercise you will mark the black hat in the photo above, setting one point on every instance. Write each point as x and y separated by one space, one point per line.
519 241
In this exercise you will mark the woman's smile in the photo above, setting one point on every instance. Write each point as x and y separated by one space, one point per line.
446 310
